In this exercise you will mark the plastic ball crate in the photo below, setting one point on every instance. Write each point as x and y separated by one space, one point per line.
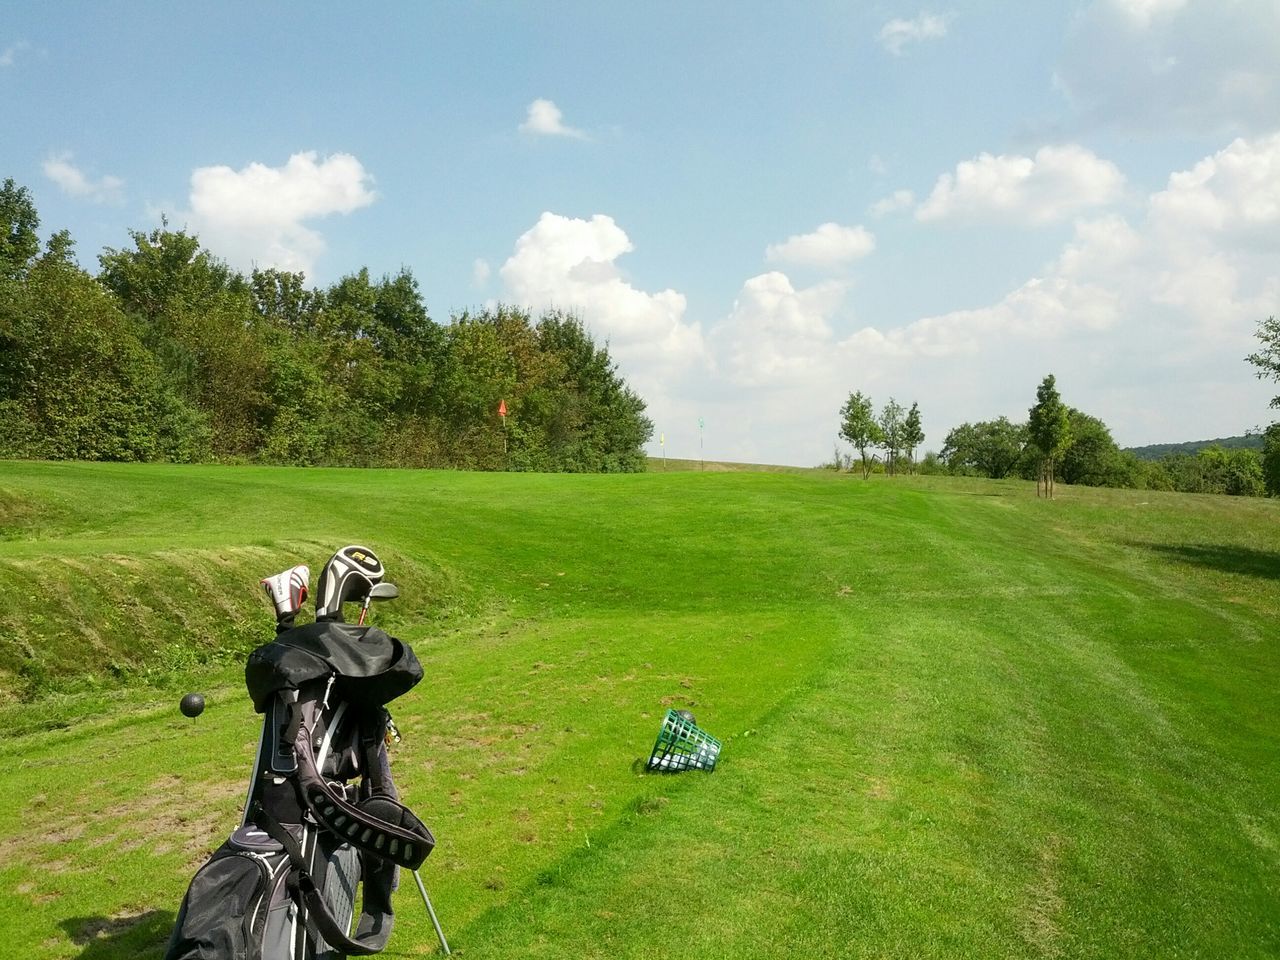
681 745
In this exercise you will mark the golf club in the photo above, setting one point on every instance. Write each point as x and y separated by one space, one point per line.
389 591
379 591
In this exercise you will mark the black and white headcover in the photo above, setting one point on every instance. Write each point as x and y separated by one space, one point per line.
345 578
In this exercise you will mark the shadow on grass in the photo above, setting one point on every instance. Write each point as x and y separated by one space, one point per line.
120 938
1264 564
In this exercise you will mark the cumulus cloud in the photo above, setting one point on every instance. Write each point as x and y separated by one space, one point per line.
75 183
1174 67
778 336
898 200
1148 321
569 264
1057 183
545 119
1236 190
829 245
897 33
1145 321
258 214
1144 317
480 272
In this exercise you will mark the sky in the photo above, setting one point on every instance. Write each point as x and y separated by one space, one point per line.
760 208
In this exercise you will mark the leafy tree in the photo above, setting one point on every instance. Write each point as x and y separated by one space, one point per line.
858 425
912 435
1267 360
596 422
197 316
991 448
1244 474
1091 457
282 299
1049 425
892 431
932 465
19 243
75 381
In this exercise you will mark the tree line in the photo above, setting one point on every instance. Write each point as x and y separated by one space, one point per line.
1059 442
169 354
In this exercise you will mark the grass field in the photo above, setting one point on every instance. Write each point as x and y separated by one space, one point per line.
958 721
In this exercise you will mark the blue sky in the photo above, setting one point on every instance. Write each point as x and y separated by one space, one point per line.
761 207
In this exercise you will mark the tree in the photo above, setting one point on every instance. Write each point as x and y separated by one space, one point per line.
912 435
197 317
991 448
858 426
19 243
1267 360
1092 457
1049 424
892 429
76 383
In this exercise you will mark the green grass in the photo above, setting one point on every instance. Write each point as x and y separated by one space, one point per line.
958 721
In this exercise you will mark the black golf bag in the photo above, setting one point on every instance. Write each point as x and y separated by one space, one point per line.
322 816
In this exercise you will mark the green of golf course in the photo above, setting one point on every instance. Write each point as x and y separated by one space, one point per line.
958 721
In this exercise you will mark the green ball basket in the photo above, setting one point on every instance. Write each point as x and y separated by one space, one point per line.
681 745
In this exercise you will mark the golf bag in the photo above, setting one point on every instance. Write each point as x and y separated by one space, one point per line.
322 817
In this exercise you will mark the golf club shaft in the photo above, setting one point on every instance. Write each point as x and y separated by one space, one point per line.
444 944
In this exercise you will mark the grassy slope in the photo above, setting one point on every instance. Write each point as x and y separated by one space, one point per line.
959 722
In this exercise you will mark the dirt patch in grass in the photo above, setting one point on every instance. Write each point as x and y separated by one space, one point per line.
1040 928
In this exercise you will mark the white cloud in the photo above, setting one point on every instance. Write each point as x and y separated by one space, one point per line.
480 272
569 264
1145 323
256 215
545 119
897 33
74 183
1145 320
1058 182
898 200
10 54
776 336
1235 190
830 244
1168 67
1142 12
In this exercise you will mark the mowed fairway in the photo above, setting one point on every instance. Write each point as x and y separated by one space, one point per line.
958 722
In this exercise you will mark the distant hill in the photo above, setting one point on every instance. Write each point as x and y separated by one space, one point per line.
1157 450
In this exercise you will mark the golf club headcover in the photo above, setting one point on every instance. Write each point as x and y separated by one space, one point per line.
347 576
287 590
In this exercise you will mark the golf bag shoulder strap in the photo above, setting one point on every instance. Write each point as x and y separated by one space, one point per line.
378 929
379 825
